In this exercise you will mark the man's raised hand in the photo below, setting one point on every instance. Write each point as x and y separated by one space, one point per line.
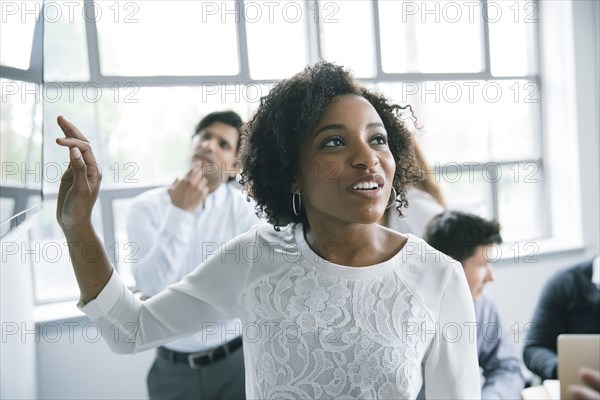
190 191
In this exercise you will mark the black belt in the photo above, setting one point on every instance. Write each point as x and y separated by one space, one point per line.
195 360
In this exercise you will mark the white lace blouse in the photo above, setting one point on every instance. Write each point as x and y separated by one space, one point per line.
313 329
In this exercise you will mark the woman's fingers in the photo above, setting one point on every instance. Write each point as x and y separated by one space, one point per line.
68 142
73 137
83 173
69 129
65 184
84 147
84 155
80 175
80 183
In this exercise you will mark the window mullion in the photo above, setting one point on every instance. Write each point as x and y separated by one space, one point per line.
108 227
313 32
495 196
377 38
487 66
36 60
242 36
91 31
546 218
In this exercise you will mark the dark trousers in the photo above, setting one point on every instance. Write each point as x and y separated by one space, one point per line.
222 379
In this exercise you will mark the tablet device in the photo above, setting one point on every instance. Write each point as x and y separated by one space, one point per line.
574 352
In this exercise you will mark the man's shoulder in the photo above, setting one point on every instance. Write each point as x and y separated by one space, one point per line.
239 202
156 194
237 194
569 277
583 270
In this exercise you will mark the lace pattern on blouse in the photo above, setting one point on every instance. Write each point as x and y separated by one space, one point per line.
313 335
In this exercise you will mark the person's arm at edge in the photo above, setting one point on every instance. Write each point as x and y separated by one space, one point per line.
548 322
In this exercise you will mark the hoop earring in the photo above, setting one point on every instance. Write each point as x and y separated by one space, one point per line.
296 211
393 198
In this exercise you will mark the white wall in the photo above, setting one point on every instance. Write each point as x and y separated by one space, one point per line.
17 349
587 73
74 362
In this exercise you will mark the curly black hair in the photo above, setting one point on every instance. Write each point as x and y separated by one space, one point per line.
271 140
458 234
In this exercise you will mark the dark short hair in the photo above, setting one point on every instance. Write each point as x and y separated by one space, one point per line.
230 118
271 140
457 234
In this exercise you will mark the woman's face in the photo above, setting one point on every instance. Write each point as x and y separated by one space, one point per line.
346 167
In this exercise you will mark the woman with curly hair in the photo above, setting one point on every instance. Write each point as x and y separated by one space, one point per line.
332 304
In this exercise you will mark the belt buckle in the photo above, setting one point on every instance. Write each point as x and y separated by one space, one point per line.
194 356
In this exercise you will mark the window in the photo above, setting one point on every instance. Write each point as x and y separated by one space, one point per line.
154 38
347 36
475 93
431 37
65 47
142 73
18 25
277 38
21 117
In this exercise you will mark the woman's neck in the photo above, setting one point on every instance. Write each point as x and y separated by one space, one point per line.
353 245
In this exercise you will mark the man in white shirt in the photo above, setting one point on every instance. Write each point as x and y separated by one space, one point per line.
177 229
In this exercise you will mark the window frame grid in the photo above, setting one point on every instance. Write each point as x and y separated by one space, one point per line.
313 55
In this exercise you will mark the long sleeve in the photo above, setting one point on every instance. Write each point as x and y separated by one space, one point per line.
549 320
129 325
451 369
205 297
163 239
497 357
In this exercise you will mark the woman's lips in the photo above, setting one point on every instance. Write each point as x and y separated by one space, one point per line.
368 194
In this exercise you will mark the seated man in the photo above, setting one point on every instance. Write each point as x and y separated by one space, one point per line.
570 303
467 238
177 229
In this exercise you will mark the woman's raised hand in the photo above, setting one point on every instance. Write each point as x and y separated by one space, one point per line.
80 183
78 192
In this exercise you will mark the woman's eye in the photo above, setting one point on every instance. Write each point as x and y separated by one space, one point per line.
380 140
333 142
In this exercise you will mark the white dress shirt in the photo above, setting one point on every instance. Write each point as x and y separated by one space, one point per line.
173 242
314 329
